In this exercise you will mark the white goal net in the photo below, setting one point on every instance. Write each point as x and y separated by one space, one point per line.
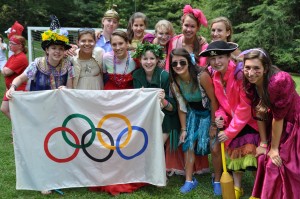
35 39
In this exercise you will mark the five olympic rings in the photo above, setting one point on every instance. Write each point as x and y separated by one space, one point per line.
93 131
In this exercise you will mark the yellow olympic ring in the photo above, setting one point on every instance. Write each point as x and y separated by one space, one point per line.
117 116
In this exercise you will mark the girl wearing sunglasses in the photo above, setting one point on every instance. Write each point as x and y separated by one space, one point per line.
194 92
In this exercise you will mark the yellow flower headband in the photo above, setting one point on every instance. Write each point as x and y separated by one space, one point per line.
55 36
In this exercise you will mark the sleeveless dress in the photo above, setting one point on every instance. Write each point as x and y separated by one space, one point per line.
196 104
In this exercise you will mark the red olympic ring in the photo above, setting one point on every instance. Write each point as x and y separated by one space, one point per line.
47 149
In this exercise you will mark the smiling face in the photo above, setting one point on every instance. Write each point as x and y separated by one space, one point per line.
86 43
55 53
219 32
119 46
163 36
138 28
109 25
180 65
219 62
149 62
254 71
189 27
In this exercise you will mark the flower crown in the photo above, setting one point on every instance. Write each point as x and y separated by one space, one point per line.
55 35
142 48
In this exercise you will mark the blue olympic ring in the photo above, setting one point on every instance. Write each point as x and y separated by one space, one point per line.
139 152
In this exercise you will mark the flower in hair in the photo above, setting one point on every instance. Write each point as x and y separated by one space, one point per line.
142 48
197 13
51 35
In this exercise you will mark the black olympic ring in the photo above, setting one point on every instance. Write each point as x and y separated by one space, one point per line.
84 146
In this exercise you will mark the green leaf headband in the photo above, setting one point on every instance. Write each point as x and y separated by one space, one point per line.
142 48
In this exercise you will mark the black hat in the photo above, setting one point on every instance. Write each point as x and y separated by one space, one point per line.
55 36
219 48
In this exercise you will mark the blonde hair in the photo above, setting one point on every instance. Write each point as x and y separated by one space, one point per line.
165 24
227 24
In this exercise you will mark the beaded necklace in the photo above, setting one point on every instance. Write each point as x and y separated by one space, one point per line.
54 83
126 67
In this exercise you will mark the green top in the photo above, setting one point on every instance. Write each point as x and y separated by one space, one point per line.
160 79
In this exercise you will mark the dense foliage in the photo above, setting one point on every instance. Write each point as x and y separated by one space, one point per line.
270 24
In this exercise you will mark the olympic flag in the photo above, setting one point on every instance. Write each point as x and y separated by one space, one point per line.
77 138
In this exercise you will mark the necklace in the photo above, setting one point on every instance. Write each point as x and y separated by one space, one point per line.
119 80
55 71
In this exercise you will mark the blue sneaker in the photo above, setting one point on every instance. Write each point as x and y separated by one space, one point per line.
217 187
189 186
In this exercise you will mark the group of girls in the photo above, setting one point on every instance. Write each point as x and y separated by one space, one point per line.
201 87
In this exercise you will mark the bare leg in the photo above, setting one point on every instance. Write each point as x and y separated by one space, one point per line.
189 164
5 109
216 160
165 137
237 178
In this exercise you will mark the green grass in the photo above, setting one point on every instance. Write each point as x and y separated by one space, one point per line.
297 80
8 177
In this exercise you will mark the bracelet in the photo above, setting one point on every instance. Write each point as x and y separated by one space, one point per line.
15 87
263 145
182 129
168 104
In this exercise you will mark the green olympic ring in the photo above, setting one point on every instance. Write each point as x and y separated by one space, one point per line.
90 123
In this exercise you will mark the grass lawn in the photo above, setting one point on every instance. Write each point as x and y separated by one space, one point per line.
8 177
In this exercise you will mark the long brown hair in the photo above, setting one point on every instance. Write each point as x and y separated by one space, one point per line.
263 102
193 69
198 40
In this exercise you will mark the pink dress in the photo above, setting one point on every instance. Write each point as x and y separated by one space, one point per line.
176 42
282 182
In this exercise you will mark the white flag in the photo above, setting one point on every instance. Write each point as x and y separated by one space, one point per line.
78 138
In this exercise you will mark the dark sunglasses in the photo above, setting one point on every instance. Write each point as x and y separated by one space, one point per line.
81 30
181 63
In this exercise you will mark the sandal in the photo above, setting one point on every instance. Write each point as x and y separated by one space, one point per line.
189 186
239 192
46 192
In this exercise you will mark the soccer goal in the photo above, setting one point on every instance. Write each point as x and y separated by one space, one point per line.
35 39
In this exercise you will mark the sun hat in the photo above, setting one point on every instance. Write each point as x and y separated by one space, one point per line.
56 35
218 48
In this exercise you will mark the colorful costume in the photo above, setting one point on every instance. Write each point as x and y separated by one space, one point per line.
240 127
119 71
282 182
43 76
176 42
88 73
195 103
18 64
160 79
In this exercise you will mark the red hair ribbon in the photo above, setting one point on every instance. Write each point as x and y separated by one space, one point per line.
197 13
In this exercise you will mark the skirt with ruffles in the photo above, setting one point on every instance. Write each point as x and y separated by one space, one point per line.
242 149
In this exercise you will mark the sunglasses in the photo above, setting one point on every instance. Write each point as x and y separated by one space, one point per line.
181 63
81 30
